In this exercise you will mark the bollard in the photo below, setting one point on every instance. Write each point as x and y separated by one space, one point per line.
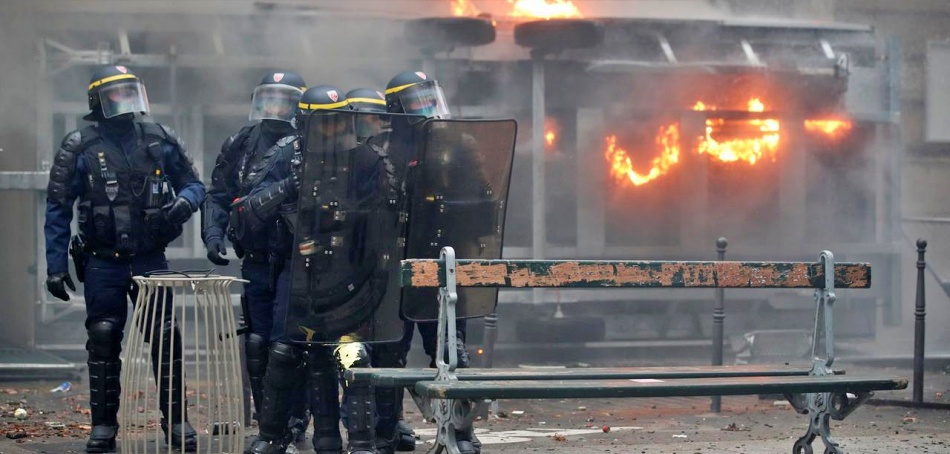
719 317
920 314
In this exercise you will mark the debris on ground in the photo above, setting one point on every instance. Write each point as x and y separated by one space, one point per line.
732 427
559 437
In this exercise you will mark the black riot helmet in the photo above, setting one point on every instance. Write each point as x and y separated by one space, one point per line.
277 96
369 101
323 106
115 91
413 92
366 100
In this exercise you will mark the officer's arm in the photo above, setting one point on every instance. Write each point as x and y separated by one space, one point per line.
216 208
181 172
65 183
262 205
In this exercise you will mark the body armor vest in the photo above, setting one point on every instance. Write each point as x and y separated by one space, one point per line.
250 163
120 213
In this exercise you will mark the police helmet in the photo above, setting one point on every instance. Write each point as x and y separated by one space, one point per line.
369 102
413 92
114 91
277 96
366 100
323 105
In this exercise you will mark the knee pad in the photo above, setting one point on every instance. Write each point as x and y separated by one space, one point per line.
389 355
285 364
105 340
255 348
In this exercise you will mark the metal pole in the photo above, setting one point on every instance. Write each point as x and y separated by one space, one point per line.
538 209
719 317
491 335
920 314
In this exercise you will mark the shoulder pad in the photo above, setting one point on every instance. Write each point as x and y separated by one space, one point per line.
235 143
170 134
72 141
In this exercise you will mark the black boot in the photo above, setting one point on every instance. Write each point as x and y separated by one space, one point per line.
285 367
104 346
255 349
324 401
360 424
405 436
170 376
466 441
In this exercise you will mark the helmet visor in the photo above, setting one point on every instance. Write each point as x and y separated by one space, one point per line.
274 102
123 97
424 99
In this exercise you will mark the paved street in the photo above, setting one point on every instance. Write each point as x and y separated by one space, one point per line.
748 424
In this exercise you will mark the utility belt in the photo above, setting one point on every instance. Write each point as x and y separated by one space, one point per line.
255 256
81 252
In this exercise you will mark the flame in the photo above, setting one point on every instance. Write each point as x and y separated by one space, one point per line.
621 166
464 8
549 138
833 128
760 137
546 9
726 140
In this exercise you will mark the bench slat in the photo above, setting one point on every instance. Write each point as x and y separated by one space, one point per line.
616 273
389 377
566 389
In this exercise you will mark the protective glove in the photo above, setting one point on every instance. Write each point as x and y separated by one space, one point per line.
296 172
56 284
216 249
177 211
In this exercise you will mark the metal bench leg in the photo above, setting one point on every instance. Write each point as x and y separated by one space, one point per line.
816 406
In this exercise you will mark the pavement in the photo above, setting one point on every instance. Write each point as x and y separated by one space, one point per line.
58 423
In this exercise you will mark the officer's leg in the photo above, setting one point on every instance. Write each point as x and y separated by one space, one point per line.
106 307
285 368
260 304
324 401
430 335
358 399
389 400
164 338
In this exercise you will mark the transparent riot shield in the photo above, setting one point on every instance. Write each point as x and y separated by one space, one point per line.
458 191
347 232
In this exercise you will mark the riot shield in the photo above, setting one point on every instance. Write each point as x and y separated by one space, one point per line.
346 234
458 191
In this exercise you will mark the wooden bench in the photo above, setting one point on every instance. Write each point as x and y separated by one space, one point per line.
454 397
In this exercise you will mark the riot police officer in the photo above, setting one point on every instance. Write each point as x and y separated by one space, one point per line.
136 188
242 163
275 195
414 93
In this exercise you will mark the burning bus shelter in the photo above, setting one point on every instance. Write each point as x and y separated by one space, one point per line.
651 137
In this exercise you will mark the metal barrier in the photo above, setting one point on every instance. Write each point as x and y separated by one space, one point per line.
210 362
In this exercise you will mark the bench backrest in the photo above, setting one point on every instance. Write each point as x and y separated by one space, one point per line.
449 273
627 274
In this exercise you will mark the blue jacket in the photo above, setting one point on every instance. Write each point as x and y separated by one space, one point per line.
72 169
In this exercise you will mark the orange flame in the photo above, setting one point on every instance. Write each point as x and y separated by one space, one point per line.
621 166
549 138
760 136
726 140
546 9
464 8
543 9
833 128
